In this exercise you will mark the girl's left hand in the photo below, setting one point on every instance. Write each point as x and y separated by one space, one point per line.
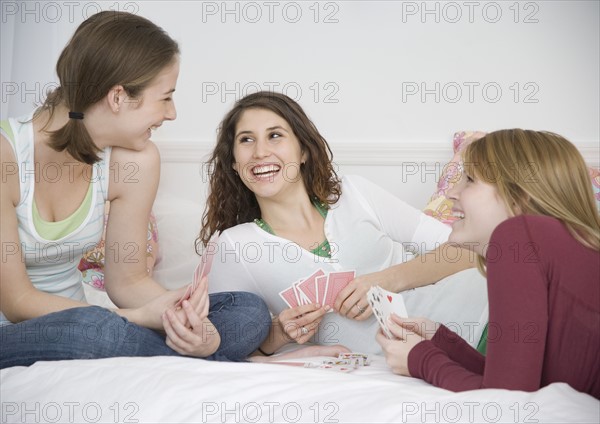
352 302
396 351
189 331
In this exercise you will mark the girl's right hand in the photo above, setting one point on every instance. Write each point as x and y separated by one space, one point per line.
150 315
301 323
422 326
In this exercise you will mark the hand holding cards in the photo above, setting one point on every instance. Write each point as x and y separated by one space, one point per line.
384 303
317 288
201 271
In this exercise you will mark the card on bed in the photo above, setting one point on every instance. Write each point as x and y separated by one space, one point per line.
383 303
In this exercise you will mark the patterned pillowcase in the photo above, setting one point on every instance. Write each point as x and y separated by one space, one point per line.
440 207
92 263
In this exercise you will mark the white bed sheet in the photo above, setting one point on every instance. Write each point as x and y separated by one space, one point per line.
185 390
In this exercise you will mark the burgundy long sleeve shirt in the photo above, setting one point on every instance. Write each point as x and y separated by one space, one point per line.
544 316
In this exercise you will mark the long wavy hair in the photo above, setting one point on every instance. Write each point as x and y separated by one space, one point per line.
108 49
229 201
538 173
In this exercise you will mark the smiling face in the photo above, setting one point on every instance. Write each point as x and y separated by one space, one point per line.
480 210
267 154
140 116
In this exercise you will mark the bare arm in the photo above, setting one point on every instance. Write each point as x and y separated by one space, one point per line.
423 270
133 185
19 299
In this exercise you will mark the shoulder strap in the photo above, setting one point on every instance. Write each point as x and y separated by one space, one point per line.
8 132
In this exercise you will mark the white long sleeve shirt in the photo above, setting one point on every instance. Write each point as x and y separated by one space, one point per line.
368 230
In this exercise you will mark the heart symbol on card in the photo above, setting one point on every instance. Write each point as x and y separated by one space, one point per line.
389 298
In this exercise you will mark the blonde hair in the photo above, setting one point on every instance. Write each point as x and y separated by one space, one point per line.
538 173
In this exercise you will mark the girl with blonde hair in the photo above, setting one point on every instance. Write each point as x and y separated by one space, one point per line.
526 207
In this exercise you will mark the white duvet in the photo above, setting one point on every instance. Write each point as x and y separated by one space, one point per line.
184 390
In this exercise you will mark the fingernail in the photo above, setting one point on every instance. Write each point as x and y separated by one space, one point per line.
317 305
327 307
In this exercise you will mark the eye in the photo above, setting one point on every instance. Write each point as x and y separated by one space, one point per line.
469 179
275 135
244 140
168 99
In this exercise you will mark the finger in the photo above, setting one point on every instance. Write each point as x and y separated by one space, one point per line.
297 312
366 314
382 339
173 340
181 335
192 317
343 295
399 331
416 325
348 309
312 329
184 296
310 317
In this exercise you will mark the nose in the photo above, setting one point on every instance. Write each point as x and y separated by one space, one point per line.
171 113
261 148
454 192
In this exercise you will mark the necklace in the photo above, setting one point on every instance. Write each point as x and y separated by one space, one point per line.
323 249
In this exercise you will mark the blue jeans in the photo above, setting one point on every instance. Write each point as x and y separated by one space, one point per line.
242 320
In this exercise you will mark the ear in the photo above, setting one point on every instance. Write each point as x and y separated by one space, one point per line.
235 167
115 98
304 157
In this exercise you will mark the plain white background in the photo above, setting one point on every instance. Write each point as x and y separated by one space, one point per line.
382 80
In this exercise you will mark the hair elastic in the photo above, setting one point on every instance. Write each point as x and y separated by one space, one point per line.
75 115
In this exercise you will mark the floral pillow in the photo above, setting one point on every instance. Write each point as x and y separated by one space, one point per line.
440 207
92 263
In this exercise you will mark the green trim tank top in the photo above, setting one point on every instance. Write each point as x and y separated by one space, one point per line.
52 264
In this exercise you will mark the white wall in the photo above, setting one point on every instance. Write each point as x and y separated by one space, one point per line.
359 68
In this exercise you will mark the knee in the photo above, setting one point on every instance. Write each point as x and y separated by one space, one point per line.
254 305
88 316
258 323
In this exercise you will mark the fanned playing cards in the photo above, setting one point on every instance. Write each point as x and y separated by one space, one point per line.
383 303
317 288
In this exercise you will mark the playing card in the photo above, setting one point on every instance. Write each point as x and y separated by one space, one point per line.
302 298
336 281
307 287
383 303
321 283
289 297
185 296
356 358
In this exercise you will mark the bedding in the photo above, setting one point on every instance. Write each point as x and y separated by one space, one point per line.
185 390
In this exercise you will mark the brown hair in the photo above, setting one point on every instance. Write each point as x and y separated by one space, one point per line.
108 49
229 201
538 173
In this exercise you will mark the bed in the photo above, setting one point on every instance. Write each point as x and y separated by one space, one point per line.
184 390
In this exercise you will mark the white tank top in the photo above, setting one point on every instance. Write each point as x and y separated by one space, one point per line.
52 264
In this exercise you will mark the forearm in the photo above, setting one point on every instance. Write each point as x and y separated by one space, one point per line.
428 268
133 293
276 339
34 303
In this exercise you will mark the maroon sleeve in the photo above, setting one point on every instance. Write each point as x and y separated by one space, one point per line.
518 298
459 350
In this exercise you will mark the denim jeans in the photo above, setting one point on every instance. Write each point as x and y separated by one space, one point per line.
242 320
